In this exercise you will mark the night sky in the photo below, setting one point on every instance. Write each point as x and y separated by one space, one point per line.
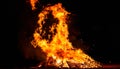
94 20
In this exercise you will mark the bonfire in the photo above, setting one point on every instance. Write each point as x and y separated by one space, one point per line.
52 38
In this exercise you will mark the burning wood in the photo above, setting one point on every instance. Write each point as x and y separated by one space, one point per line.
52 37
70 64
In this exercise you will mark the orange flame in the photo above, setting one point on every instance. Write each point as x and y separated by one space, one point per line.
58 48
33 2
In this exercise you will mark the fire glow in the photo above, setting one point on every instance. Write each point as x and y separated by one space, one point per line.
54 42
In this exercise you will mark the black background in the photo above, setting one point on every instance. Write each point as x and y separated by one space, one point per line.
97 21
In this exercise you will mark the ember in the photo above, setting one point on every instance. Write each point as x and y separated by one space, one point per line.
53 40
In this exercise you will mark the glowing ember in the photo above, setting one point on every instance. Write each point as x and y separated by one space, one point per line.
52 37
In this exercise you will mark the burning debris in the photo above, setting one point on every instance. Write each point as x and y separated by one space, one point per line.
69 64
52 37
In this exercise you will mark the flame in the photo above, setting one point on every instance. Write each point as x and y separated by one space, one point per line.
53 39
33 2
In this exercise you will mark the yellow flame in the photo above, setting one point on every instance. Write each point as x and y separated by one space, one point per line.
59 48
